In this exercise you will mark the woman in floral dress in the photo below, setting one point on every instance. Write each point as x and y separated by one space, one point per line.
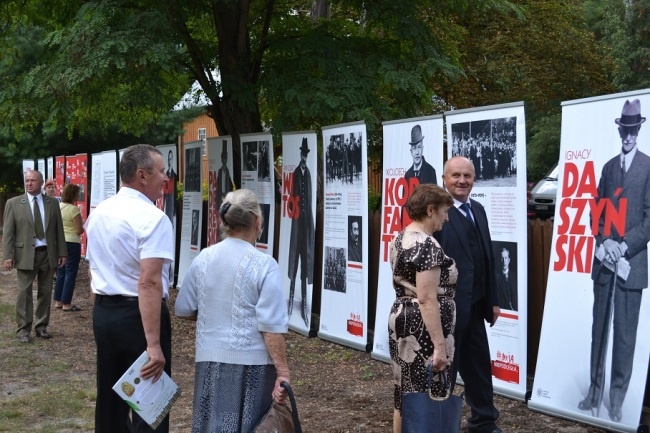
422 318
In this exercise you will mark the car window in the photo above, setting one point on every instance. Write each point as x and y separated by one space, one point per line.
553 173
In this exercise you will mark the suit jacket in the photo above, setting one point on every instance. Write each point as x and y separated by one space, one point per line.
18 232
507 289
636 189
454 242
427 173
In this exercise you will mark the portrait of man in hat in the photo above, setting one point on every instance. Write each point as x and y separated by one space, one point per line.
617 295
224 182
303 237
420 169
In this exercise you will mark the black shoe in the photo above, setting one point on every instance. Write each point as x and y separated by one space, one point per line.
615 413
24 338
42 333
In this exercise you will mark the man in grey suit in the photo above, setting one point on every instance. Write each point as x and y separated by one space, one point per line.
466 239
625 178
33 242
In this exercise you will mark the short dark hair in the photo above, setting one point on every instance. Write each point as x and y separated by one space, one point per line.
136 157
70 193
425 195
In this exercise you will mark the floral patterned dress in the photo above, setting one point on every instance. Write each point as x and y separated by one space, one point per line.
409 341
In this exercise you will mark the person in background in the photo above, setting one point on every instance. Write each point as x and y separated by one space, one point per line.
235 294
130 250
50 190
34 244
422 318
466 238
72 228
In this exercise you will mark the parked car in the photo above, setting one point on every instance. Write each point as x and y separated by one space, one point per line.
541 202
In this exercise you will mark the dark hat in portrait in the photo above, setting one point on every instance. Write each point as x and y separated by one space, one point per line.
416 135
631 115
224 149
304 149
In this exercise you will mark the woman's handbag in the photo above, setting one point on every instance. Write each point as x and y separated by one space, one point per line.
424 413
281 418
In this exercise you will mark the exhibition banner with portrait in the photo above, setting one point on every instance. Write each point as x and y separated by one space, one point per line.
167 203
59 174
103 177
493 138
28 165
76 172
413 151
40 163
296 250
50 167
220 169
344 296
258 175
190 244
594 345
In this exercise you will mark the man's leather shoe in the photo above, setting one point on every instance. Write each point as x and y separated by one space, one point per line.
587 404
42 333
615 413
23 338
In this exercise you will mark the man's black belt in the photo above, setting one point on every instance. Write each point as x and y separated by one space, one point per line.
119 298
41 249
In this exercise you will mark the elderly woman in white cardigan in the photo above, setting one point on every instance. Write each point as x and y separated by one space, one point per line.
235 294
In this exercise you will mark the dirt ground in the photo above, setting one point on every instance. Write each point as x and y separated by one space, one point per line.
337 389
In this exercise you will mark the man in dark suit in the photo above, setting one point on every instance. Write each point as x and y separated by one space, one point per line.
506 277
224 182
420 169
169 188
466 239
302 239
624 179
34 243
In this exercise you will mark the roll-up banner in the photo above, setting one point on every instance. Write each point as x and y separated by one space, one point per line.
494 139
50 167
594 345
258 175
60 178
109 174
40 163
296 253
28 165
76 171
220 183
344 298
96 185
167 203
190 244
413 151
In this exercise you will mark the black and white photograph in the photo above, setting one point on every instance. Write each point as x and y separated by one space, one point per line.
420 169
491 145
193 170
250 155
264 235
194 239
335 269
263 162
354 239
505 257
343 159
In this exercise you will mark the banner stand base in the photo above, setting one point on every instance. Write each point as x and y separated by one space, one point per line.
380 357
572 416
342 342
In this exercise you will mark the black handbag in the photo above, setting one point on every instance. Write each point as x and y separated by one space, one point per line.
424 413
281 418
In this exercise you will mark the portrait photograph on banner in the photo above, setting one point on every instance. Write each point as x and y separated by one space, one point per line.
76 170
344 295
493 140
413 152
297 243
258 175
220 182
597 311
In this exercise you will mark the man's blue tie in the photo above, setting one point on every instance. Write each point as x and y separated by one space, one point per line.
468 213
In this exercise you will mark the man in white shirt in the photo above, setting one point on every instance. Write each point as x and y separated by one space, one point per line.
34 243
130 250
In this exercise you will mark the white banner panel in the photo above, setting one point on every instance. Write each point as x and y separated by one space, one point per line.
28 165
220 162
258 175
344 299
109 174
494 139
603 208
399 179
297 225
41 167
190 244
167 203
96 185
50 167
